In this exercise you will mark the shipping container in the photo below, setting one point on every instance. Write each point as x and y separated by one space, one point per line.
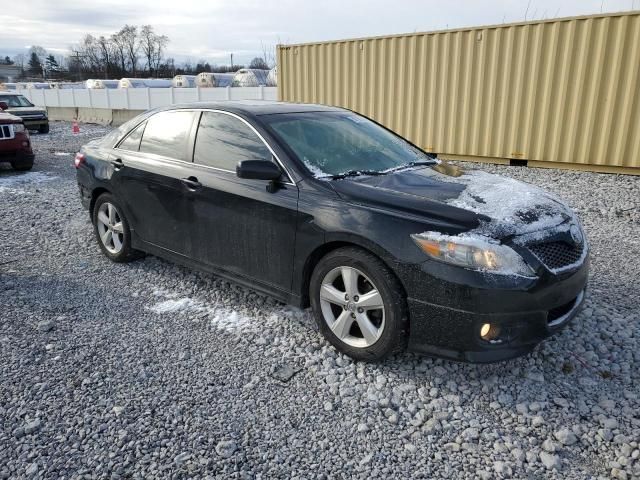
562 92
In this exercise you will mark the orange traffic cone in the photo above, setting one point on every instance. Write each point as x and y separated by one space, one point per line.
76 128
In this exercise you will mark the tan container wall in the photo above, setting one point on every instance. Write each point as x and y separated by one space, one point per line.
556 91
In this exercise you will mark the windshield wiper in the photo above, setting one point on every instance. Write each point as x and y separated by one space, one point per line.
354 173
417 163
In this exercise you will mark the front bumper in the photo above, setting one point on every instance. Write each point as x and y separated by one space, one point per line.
35 123
14 151
525 313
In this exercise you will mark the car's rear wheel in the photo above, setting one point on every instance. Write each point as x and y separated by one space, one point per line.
43 128
112 229
359 304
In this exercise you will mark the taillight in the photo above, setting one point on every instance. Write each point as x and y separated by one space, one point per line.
79 160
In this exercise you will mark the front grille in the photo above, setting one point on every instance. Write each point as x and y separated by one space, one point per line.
557 255
6 132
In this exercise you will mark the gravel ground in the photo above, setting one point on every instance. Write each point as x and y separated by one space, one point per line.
150 370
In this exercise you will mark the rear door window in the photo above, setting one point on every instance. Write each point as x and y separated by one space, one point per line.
224 140
167 134
132 141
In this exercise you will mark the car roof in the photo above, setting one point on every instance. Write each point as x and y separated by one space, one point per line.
257 107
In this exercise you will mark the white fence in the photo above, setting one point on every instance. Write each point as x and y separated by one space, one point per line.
142 98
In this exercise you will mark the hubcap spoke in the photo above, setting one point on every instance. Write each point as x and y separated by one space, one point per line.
350 279
332 294
103 218
342 325
117 243
371 300
368 329
112 214
106 238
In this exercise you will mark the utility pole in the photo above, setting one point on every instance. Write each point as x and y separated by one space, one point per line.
232 62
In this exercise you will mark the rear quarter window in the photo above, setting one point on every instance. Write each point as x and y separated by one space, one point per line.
132 141
167 134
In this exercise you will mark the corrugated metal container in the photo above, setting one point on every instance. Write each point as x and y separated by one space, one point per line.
565 91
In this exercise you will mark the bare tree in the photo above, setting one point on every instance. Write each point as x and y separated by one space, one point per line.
260 63
152 47
161 44
19 60
120 51
129 36
269 54
107 53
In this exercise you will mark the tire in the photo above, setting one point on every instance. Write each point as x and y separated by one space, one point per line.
390 322
43 128
117 245
22 167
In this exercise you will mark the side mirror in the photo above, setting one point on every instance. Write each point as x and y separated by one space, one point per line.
4 106
258 170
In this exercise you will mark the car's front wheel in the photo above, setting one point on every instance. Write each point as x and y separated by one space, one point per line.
112 229
22 166
44 128
358 304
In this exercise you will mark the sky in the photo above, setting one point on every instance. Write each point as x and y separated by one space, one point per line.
212 29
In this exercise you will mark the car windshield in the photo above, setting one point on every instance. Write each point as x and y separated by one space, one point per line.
337 143
15 101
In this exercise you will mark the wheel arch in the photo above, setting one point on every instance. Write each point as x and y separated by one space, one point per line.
96 192
322 250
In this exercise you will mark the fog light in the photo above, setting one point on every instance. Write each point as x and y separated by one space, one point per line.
490 333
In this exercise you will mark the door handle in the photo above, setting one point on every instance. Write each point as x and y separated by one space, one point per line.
191 183
117 164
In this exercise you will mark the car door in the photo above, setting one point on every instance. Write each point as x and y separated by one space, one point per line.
151 166
239 225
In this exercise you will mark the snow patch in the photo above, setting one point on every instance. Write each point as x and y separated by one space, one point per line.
62 154
514 207
314 169
173 306
15 183
221 317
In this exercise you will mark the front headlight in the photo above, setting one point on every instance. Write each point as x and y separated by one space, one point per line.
18 127
474 252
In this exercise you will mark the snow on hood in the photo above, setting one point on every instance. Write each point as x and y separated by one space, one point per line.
514 207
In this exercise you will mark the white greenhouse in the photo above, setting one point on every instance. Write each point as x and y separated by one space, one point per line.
209 80
144 83
250 77
101 84
272 78
184 81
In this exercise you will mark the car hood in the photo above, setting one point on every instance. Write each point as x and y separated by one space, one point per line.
492 205
20 111
9 118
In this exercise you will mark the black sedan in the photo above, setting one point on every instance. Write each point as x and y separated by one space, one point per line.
322 207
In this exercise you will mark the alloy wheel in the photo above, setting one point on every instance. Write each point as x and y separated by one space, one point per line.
110 228
352 307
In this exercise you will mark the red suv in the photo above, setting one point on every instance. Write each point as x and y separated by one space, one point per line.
15 145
